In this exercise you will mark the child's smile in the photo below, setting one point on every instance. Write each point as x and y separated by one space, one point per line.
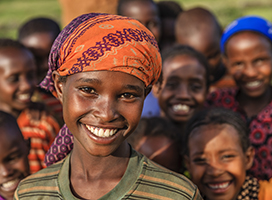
13 159
106 108
101 132
217 162
183 88
17 79
249 62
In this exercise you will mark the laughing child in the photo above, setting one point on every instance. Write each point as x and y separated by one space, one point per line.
38 35
218 154
184 85
101 68
246 44
13 156
17 84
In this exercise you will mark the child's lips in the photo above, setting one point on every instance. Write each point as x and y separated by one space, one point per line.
219 187
24 97
181 109
253 84
101 132
10 185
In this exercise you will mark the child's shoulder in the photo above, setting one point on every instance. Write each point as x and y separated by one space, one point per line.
157 171
42 183
161 182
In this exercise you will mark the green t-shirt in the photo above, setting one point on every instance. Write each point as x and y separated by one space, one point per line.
143 179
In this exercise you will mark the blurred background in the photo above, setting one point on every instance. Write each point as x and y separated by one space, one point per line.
16 12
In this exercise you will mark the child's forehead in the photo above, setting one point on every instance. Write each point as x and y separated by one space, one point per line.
209 131
254 35
14 57
180 61
136 3
213 136
245 36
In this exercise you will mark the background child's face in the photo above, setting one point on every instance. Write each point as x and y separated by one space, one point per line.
216 161
249 62
146 13
101 109
40 45
17 79
183 89
206 43
13 160
162 150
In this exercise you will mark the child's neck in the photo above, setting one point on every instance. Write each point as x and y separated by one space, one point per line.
92 177
11 111
253 106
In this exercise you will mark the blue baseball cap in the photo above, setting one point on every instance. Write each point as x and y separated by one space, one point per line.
247 23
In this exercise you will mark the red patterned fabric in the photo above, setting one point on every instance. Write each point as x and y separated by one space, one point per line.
41 133
260 130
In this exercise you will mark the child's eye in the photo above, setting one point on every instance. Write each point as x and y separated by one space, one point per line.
88 90
200 161
13 79
228 156
127 96
171 85
238 65
152 24
259 61
13 157
196 87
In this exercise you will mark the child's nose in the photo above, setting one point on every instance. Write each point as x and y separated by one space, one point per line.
183 91
5 170
105 109
250 70
214 169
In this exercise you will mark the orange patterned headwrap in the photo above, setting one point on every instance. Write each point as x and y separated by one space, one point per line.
95 42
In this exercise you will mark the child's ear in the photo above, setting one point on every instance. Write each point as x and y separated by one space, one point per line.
155 90
58 85
148 90
250 153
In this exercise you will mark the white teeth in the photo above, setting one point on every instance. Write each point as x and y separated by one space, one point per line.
95 131
10 183
181 107
107 133
219 186
101 132
24 96
253 84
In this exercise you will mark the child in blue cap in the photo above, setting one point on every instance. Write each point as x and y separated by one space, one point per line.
247 53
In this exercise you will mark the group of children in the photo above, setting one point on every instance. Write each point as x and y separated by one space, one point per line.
102 70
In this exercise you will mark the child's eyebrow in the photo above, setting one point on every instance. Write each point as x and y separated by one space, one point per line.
134 87
229 149
97 81
89 80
